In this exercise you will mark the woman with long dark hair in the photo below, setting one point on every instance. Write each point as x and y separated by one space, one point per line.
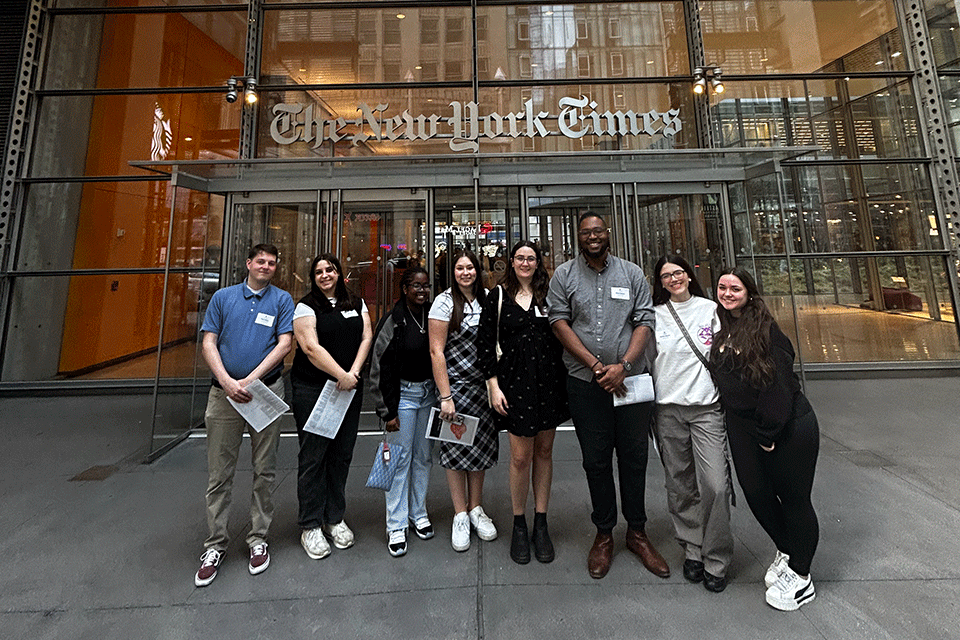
689 423
527 389
454 318
333 334
773 432
401 375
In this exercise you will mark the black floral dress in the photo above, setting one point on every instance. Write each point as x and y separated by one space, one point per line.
531 373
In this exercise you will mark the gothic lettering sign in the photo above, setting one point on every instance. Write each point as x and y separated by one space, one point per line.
577 117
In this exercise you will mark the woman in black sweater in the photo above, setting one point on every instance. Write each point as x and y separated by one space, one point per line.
772 430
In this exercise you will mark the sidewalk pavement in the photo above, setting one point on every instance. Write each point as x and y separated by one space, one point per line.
115 558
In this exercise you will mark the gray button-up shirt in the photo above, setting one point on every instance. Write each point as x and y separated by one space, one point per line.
602 308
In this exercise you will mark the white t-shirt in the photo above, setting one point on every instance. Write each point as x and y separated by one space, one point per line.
303 310
442 309
678 375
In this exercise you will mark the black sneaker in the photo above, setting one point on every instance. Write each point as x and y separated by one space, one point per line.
693 570
423 527
714 583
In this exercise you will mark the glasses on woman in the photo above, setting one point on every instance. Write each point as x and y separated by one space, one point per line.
530 259
667 277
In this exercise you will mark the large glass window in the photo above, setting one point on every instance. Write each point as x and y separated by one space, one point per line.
557 38
801 36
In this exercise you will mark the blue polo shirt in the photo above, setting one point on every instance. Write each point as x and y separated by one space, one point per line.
248 325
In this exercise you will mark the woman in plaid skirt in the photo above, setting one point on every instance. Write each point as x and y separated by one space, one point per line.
454 318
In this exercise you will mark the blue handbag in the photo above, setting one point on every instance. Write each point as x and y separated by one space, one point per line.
385 465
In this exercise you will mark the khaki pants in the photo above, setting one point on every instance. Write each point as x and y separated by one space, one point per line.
225 430
693 448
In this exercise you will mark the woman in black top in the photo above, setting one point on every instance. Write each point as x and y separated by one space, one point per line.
527 389
772 430
333 334
401 374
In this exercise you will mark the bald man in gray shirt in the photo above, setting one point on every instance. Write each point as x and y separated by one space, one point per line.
601 311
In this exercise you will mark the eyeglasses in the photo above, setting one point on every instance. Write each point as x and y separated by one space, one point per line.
596 231
417 286
667 277
530 259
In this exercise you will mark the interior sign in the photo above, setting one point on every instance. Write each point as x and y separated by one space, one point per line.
577 118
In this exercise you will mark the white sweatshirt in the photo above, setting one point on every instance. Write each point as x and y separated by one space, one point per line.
679 376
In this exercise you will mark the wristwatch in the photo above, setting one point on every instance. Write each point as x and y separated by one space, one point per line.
627 366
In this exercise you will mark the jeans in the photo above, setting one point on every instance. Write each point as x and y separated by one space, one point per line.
323 464
225 429
407 497
602 429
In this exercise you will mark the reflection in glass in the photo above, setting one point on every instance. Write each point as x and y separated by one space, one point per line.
864 309
124 50
553 223
801 36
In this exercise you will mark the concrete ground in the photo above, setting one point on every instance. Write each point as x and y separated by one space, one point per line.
114 556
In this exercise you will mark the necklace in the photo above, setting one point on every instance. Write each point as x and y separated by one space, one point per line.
420 325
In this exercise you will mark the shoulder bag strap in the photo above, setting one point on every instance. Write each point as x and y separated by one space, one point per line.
686 335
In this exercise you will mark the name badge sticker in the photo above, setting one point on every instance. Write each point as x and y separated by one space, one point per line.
619 293
265 320
538 313
352 313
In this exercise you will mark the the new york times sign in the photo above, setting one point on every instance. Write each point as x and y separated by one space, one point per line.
578 117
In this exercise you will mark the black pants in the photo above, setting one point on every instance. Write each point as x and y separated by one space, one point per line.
777 485
602 429
323 463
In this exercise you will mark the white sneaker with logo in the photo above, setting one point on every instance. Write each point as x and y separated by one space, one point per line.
460 536
791 591
776 568
483 524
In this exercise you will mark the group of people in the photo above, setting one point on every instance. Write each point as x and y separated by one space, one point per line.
524 357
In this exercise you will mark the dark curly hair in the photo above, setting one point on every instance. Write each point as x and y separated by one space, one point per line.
745 340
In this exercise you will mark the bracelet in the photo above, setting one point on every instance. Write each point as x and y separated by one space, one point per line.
448 397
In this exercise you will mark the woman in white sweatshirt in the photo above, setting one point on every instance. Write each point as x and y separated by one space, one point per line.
689 423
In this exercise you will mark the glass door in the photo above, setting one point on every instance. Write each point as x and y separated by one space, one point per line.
552 214
382 232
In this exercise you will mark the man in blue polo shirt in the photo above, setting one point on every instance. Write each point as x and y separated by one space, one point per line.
247 332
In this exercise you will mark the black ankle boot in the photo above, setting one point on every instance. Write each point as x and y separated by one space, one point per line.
542 545
520 543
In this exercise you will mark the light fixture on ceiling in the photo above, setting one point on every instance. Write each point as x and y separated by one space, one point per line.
247 84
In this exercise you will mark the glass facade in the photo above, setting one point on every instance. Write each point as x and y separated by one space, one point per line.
500 121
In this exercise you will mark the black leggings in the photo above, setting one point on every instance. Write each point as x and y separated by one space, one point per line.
777 486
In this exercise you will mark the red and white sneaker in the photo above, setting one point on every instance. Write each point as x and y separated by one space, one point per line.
259 558
209 562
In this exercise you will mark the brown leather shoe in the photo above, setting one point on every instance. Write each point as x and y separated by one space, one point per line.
601 555
639 543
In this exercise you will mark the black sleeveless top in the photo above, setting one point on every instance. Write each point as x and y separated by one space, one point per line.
340 333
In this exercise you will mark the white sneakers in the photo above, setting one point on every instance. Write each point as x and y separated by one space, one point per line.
315 544
483 524
340 534
791 591
460 537
397 545
775 570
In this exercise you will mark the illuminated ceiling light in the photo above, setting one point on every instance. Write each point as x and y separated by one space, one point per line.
548 13
302 69
401 16
418 67
716 83
188 139
846 79
250 92
896 54
878 63
699 81
649 61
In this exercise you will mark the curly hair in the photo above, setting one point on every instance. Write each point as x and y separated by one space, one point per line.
541 279
745 341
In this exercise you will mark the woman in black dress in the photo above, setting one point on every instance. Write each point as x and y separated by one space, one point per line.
527 389
333 333
772 430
